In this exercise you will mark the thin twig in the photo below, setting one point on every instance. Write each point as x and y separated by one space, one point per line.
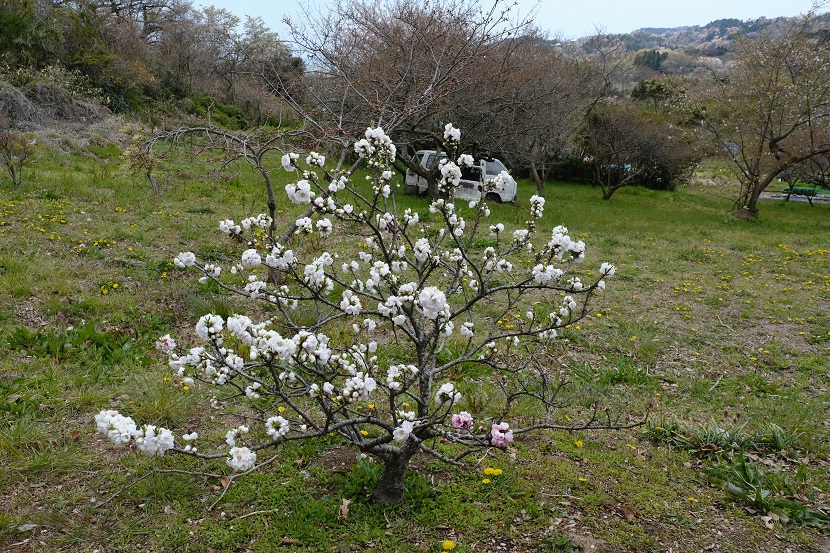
725 325
252 513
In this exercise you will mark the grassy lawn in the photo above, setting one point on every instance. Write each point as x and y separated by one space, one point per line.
720 327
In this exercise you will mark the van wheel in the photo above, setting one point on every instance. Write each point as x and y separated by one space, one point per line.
493 197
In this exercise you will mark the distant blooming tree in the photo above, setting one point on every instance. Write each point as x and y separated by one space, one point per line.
383 336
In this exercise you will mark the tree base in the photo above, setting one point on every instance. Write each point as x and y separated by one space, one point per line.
743 213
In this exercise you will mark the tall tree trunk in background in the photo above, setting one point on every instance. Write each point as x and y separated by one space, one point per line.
540 182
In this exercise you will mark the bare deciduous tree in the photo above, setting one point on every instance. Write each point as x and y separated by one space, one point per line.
771 112
397 63
627 147
534 98
15 149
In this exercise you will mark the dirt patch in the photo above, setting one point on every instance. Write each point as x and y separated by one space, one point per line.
339 458
590 543
27 312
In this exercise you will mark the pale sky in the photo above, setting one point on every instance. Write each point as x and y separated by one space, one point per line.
569 18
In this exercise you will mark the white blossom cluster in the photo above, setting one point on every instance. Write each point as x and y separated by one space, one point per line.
537 206
227 226
261 221
402 432
316 159
288 160
560 244
377 147
277 426
433 303
121 430
451 134
447 394
166 344
241 459
465 160
185 259
300 192
358 387
543 274
498 182
450 174
397 375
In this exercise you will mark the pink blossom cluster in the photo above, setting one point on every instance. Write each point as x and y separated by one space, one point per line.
462 422
501 435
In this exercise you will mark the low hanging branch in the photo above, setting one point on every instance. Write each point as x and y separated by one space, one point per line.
226 150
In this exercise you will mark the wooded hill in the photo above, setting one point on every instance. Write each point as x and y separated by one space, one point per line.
716 38
59 58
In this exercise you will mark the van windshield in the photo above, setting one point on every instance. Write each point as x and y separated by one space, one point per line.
431 159
494 167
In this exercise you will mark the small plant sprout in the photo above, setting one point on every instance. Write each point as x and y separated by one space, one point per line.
372 342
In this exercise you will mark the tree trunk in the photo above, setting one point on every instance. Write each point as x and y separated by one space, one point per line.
757 188
540 183
432 188
752 204
389 489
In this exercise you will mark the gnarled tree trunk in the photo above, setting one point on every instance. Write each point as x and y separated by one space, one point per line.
390 488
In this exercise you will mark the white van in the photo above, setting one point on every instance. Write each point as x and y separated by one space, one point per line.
472 182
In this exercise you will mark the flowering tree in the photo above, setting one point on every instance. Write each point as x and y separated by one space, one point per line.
446 290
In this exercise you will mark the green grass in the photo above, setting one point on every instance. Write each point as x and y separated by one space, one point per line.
710 322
